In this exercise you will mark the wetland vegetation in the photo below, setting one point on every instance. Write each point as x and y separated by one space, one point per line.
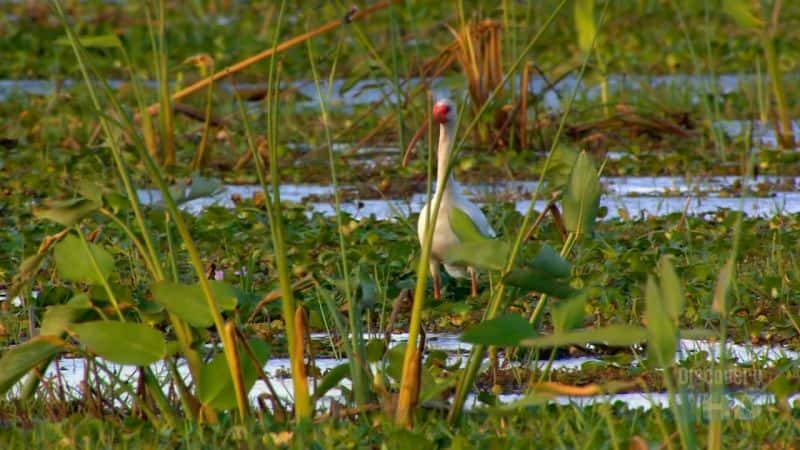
193 260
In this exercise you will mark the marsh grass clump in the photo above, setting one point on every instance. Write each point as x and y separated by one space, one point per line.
134 318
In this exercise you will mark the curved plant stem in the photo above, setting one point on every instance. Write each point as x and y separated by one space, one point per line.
357 353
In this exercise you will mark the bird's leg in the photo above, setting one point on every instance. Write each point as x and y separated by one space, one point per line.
437 282
472 281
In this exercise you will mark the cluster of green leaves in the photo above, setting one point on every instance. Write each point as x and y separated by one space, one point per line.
567 426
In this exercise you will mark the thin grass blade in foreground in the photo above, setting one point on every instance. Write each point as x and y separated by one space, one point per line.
355 349
157 177
272 201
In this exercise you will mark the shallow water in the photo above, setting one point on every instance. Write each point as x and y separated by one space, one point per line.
344 93
633 197
71 372
762 134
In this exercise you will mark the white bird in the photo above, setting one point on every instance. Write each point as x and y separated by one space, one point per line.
444 237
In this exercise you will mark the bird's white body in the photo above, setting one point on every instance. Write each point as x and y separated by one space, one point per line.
444 238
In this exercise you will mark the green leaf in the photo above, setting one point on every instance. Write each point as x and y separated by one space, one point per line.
331 378
100 41
74 264
581 198
662 332
58 317
463 226
375 349
548 273
129 343
561 163
215 387
67 212
188 302
395 356
782 387
505 330
613 335
431 387
743 13
486 254
16 362
530 279
550 262
584 24
91 189
569 314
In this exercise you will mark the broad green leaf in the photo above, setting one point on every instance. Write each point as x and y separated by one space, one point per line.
486 254
18 361
375 349
613 335
58 317
561 163
129 343
662 332
91 190
332 378
100 41
782 386
568 315
395 356
531 279
581 198
74 264
67 212
188 302
505 330
224 294
431 387
80 301
549 261
584 24
464 228
215 387
743 12
671 290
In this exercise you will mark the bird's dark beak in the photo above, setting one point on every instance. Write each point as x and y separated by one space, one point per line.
417 136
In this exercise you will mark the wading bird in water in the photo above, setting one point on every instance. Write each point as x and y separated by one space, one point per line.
452 204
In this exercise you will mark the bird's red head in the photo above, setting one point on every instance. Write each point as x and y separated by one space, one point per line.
443 111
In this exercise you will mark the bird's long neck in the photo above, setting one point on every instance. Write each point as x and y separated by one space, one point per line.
443 180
